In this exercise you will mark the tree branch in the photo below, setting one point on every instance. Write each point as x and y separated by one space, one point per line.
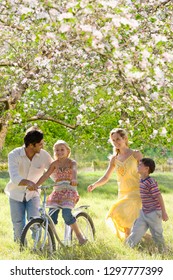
163 3
46 118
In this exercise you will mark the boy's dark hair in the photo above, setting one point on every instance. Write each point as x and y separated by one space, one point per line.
33 137
149 163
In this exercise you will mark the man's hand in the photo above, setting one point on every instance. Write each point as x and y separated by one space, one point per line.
31 186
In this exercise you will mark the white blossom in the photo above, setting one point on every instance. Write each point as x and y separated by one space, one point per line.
154 95
135 40
79 119
102 101
130 108
159 75
127 121
86 27
65 16
159 38
118 103
82 107
115 42
168 56
24 81
142 109
155 132
40 114
128 66
55 91
109 91
97 34
163 132
25 10
109 3
116 21
42 15
64 28
146 54
118 92
31 103
117 54
92 86
92 109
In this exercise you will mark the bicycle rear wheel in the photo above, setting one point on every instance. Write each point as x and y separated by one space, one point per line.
35 239
86 227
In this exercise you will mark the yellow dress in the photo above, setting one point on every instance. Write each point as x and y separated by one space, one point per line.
126 209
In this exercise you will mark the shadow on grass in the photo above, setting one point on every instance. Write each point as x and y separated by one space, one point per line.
150 248
91 251
4 178
102 250
4 174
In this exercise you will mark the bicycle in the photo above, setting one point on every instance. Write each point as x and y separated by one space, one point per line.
40 233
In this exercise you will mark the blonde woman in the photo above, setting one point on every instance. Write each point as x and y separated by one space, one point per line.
124 161
64 173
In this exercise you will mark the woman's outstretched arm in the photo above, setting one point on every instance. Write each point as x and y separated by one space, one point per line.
105 178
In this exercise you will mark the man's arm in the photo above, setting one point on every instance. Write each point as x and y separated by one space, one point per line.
16 178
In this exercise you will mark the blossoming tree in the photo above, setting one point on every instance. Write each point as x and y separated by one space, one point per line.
88 65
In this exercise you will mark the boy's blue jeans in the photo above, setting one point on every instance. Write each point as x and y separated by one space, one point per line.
22 210
66 214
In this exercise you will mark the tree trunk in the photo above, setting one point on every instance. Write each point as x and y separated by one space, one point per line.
3 132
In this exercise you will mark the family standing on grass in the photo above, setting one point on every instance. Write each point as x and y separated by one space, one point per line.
139 206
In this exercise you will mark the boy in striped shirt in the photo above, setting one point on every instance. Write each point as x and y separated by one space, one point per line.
153 208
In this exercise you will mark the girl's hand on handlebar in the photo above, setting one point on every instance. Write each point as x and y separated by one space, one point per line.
73 182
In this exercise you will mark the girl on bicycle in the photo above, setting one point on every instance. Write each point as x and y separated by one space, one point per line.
64 173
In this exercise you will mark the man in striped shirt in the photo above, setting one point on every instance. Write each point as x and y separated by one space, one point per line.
153 208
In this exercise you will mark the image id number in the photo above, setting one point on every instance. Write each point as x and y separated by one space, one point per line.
127 270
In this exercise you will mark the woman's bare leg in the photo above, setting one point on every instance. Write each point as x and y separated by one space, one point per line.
127 232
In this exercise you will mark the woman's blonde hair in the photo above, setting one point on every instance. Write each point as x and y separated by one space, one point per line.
122 132
62 142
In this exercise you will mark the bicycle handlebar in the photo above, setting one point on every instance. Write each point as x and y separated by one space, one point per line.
44 187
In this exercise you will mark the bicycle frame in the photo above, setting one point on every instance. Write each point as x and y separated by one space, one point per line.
67 232
47 219
40 233
49 222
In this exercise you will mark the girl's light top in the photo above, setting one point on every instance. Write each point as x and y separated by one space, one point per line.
63 194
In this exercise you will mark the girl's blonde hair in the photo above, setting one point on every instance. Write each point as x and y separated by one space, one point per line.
122 132
62 142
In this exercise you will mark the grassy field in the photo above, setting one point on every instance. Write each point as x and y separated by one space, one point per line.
106 245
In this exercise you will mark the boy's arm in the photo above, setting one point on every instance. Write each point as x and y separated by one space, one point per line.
164 214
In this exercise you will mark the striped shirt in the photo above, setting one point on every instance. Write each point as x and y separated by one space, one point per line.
149 192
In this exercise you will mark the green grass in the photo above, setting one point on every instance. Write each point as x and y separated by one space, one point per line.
106 245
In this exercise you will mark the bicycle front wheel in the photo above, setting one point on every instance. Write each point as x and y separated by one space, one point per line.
86 227
35 238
